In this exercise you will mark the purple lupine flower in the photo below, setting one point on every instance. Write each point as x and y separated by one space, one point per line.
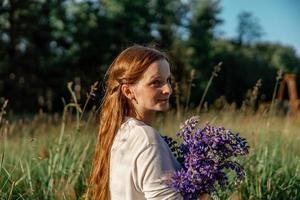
204 155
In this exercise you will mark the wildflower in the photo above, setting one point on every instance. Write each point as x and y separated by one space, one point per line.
205 154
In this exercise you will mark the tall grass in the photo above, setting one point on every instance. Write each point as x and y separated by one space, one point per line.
47 160
49 156
44 164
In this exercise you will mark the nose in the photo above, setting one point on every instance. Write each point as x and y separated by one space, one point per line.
167 89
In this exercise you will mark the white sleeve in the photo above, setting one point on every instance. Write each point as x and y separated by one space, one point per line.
152 167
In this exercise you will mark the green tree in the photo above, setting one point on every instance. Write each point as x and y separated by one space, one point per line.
248 28
203 21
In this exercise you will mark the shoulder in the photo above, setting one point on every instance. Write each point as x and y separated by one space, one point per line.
142 133
135 135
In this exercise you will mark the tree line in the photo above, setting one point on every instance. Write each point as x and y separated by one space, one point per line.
46 43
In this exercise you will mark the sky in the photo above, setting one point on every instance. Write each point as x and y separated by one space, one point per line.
279 19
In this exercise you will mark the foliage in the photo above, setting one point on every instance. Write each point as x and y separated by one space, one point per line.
45 44
248 29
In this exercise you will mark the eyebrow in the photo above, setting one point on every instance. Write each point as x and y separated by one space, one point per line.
158 76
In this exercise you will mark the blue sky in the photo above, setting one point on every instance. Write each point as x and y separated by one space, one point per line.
280 19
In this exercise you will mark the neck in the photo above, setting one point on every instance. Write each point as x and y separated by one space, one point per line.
147 118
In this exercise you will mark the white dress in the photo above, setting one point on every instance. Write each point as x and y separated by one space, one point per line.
140 162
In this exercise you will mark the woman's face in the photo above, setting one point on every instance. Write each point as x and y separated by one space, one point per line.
152 91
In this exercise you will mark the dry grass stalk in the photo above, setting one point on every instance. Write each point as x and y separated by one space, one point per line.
189 88
278 79
249 104
214 74
177 96
2 111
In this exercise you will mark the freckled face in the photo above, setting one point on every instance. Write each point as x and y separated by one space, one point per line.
153 90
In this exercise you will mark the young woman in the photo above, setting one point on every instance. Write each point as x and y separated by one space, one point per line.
131 160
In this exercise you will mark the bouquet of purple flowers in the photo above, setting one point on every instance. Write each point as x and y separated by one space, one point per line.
205 154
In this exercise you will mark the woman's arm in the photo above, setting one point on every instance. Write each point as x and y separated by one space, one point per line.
151 171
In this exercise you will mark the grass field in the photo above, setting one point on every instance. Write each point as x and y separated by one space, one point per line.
49 157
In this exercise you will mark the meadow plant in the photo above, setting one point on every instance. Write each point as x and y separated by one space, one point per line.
177 96
205 155
189 88
214 74
249 104
278 79
57 169
3 112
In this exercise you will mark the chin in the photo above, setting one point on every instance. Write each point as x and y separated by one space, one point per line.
163 108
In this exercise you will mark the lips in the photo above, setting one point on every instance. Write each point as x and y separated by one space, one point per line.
163 100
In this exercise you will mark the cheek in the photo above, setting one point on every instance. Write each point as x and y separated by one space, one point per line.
146 95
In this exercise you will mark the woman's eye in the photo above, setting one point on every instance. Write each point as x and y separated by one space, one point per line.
156 83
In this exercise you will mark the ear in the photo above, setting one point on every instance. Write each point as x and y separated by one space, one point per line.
127 91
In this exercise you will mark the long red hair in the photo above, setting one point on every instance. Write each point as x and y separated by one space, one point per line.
127 68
